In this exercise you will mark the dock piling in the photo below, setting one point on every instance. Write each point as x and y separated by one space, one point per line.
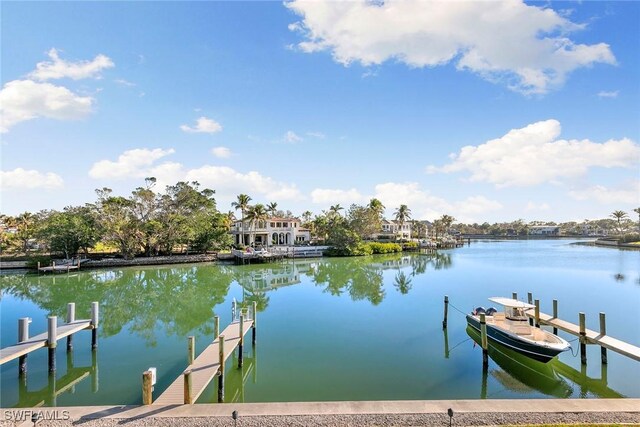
530 301
216 327
147 388
95 317
537 313
603 332
446 312
253 329
52 332
188 394
71 317
23 335
191 349
483 336
221 362
555 315
514 295
583 342
241 344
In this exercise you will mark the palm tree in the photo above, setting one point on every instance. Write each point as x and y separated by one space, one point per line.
272 208
242 204
306 216
402 283
255 214
447 220
402 214
377 207
335 209
637 210
619 215
420 228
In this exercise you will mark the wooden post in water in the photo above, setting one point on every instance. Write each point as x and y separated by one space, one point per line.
23 335
221 362
147 388
95 311
484 341
188 394
71 317
583 342
514 295
530 301
253 329
241 343
52 332
537 313
603 332
216 327
38 267
555 315
446 311
192 349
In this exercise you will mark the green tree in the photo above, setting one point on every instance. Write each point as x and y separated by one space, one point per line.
272 208
335 210
256 214
637 210
241 204
447 221
377 207
363 221
618 216
118 222
418 229
69 231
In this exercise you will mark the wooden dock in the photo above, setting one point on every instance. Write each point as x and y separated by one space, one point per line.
206 366
40 341
591 336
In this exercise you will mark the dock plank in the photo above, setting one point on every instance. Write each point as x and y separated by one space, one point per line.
205 367
13 352
593 337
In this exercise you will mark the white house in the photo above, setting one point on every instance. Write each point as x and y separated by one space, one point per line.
393 230
272 232
544 230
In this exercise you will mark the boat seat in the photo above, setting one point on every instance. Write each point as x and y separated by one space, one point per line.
521 329
499 316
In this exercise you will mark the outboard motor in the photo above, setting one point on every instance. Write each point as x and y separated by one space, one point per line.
479 310
491 311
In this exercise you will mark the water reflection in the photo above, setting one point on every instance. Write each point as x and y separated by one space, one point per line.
179 298
523 375
48 395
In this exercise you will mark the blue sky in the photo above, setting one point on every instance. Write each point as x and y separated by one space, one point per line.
487 111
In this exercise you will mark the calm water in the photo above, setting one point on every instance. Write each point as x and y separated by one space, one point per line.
330 329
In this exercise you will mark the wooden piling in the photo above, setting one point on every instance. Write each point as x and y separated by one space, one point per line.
71 317
446 312
95 317
188 388
514 295
147 388
484 341
537 313
38 267
241 343
52 332
221 375
253 328
530 301
191 349
583 342
555 315
603 331
23 335
216 327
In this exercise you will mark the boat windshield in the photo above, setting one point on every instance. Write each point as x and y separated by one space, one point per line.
515 313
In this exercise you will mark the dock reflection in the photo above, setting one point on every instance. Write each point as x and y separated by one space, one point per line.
48 395
523 375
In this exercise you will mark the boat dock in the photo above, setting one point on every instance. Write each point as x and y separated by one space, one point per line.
210 363
66 267
276 253
50 338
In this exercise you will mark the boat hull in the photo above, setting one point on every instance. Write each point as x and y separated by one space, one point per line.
536 352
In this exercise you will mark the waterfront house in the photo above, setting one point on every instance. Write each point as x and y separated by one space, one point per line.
271 232
544 230
393 230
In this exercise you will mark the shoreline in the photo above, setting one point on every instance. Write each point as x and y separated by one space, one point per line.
346 413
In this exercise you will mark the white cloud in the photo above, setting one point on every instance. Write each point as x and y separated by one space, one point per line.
59 68
227 182
610 94
531 206
533 155
291 137
203 125
333 196
124 82
131 163
22 100
318 135
29 179
629 194
525 46
221 152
